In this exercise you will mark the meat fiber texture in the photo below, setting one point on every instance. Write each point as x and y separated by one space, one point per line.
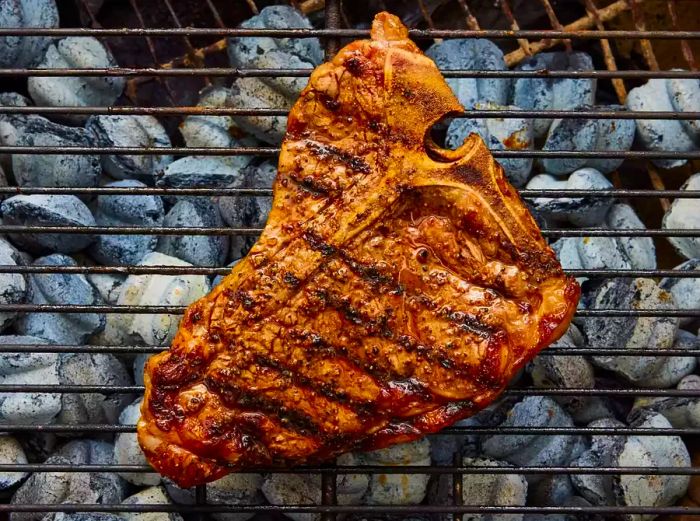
396 288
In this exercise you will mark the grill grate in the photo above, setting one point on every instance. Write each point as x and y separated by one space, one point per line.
193 64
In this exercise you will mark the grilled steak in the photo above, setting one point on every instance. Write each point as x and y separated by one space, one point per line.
396 288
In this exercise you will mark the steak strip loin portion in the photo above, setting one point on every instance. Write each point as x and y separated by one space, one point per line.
396 288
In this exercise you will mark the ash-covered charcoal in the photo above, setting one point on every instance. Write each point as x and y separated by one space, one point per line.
234 489
156 290
682 412
685 97
237 212
39 445
216 131
640 250
498 134
198 250
590 253
667 135
25 51
567 372
13 286
250 211
533 450
49 169
139 367
578 134
127 450
580 211
107 285
612 135
265 52
552 490
135 132
650 452
443 448
254 93
275 53
11 453
397 489
92 369
587 135
241 212
597 488
209 132
48 210
554 94
11 125
150 496
684 214
201 172
126 210
609 252
473 54
28 369
305 489
685 290
75 91
491 489
676 367
81 516
52 488
3 180
261 176
633 331
59 289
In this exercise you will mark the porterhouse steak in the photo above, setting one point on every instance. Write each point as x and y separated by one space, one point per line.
396 288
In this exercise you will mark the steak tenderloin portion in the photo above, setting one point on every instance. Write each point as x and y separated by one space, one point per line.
396 288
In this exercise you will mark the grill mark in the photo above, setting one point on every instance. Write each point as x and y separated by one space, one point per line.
427 353
364 410
389 381
236 398
318 244
466 321
355 316
371 274
291 280
310 185
323 151
322 346
469 323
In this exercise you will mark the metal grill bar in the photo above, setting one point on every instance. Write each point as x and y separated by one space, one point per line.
416 34
527 391
194 270
412 510
550 352
239 192
224 111
272 151
178 310
449 431
151 230
378 469
303 73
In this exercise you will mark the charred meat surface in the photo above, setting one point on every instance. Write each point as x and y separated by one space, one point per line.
396 288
